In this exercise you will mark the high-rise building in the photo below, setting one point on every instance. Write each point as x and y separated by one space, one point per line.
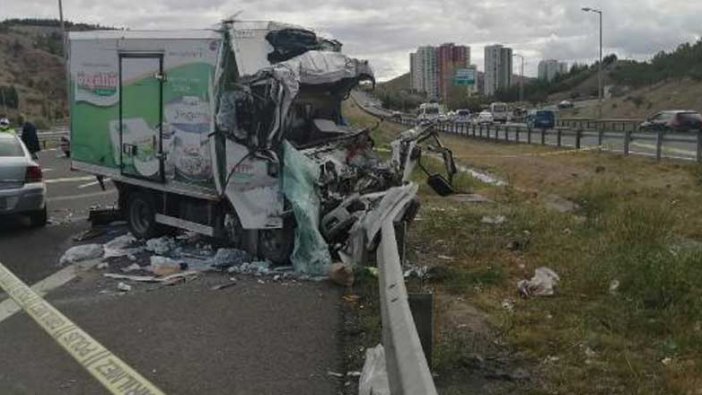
450 58
498 68
424 71
550 68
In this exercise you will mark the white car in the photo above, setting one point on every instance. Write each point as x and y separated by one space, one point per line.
22 188
462 116
484 118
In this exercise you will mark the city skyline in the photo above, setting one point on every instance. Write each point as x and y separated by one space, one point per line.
560 30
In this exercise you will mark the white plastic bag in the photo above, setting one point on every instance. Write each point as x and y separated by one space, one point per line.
374 377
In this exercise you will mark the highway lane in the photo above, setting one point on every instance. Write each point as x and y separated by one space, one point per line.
32 253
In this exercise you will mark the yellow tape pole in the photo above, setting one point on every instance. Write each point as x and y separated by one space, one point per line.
106 367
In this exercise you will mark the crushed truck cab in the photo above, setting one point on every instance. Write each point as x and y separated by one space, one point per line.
235 133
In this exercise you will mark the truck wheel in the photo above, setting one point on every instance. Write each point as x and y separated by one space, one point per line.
276 245
38 218
141 215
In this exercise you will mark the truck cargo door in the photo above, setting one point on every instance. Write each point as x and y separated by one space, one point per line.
141 115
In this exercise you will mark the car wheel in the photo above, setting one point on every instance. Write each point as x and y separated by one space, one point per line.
38 218
141 215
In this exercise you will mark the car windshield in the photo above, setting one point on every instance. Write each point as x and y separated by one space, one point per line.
499 108
463 112
10 147
431 110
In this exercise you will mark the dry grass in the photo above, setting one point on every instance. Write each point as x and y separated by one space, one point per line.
637 223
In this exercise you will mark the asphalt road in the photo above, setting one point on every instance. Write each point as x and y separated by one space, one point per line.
258 337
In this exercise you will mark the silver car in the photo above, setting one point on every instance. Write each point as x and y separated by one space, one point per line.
22 188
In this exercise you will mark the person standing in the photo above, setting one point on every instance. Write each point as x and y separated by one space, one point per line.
29 136
5 126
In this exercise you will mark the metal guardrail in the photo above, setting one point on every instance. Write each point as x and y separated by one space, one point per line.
47 137
406 364
618 125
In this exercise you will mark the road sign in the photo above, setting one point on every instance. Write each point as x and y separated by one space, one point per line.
464 77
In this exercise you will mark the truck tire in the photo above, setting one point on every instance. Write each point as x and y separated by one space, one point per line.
276 245
140 212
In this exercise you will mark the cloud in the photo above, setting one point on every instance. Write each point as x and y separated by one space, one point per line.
386 31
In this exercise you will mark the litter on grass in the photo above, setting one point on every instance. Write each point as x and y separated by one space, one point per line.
543 283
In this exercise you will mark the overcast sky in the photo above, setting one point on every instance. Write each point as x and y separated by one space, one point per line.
385 31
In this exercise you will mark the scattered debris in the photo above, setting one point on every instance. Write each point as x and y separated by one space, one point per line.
470 198
131 268
374 376
445 257
335 374
614 286
98 216
667 361
121 246
164 266
508 305
81 253
543 283
341 274
124 287
153 279
228 257
416 271
161 245
495 220
231 283
89 234
102 265
559 204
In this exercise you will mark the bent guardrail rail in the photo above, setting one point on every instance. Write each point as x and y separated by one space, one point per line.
407 367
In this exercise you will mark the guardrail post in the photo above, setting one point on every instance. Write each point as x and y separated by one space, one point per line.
558 137
506 133
699 146
578 135
543 136
516 134
659 144
627 140
422 307
600 135
528 135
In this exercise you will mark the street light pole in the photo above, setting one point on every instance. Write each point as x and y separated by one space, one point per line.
65 53
600 89
521 78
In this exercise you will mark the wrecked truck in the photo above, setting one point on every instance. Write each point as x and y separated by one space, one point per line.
237 133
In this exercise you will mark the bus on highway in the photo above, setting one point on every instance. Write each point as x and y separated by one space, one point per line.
428 112
500 112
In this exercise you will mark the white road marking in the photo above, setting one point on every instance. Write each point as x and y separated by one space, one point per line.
81 196
69 179
47 169
8 307
92 183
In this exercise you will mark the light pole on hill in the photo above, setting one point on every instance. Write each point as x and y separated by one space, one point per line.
65 53
600 91
521 78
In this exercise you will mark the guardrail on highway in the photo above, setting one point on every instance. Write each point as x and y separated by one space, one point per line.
406 363
687 146
48 137
614 125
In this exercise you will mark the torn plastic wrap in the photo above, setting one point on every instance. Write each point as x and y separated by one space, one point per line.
300 176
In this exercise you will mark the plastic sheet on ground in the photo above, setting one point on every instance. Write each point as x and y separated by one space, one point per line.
121 246
374 377
543 283
81 253
300 174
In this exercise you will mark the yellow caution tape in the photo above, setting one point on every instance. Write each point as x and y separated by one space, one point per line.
106 367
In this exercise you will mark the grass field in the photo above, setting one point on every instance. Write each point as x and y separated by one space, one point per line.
627 316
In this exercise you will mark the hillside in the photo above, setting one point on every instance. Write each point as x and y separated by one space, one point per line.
32 72
639 103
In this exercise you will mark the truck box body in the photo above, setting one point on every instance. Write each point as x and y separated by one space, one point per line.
142 105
